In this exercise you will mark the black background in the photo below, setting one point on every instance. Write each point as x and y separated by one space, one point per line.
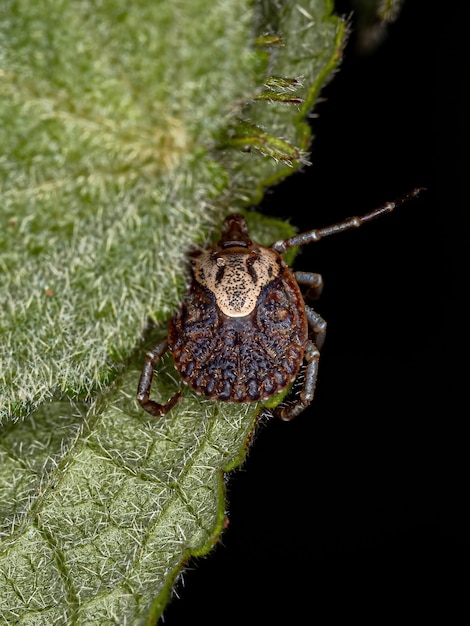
357 508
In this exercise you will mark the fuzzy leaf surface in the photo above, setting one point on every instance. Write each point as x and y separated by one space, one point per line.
116 122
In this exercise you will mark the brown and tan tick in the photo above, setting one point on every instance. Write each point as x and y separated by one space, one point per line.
243 331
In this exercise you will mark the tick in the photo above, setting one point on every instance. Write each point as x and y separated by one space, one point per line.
243 331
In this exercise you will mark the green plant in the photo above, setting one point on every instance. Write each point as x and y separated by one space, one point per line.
128 132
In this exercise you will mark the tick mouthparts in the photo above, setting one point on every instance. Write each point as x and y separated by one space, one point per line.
234 243
235 232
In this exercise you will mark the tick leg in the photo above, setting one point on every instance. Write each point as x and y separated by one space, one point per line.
145 383
351 222
314 282
318 326
288 412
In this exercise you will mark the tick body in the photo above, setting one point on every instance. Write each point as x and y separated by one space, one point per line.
243 331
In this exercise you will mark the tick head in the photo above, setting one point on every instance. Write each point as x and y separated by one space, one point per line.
234 233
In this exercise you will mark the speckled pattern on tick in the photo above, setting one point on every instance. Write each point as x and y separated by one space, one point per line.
243 332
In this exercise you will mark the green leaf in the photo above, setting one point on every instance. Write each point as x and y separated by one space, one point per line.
112 505
117 121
